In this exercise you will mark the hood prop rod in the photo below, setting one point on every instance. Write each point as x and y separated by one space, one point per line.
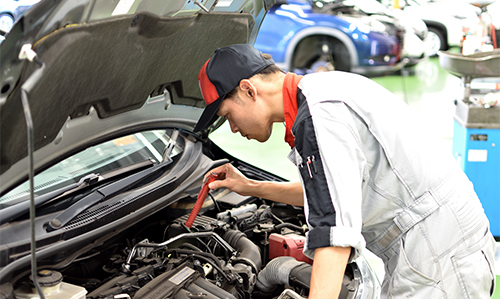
170 146
201 6
28 53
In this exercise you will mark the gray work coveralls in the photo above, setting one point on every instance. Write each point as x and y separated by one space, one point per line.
373 178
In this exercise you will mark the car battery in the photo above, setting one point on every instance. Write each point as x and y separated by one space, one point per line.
288 245
476 146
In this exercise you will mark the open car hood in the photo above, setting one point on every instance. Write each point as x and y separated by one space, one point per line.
109 68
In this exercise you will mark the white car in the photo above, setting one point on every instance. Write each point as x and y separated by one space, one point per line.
447 20
415 36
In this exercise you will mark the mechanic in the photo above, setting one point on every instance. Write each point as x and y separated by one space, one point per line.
370 177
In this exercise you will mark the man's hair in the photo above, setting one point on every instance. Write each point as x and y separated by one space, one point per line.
264 73
270 69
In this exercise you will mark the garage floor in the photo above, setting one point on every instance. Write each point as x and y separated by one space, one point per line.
427 88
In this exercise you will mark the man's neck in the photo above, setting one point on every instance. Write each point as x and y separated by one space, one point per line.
276 98
271 89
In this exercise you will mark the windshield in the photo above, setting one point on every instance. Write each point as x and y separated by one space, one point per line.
105 157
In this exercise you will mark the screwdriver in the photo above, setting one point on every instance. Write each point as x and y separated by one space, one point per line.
201 198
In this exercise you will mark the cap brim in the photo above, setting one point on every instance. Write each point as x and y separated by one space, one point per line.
208 116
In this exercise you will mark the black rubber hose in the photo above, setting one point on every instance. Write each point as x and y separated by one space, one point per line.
301 276
190 247
277 272
278 227
249 252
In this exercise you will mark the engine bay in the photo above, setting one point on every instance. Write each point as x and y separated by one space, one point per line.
240 247
237 247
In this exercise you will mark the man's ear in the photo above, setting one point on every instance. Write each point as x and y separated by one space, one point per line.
248 88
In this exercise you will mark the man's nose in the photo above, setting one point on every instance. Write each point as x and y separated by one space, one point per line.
234 128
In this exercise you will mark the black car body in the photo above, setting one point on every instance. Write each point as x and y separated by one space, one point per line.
98 102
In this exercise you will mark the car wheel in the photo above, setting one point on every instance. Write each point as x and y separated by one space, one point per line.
435 41
320 53
6 22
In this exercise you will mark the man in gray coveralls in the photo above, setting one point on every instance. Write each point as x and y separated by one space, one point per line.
368 180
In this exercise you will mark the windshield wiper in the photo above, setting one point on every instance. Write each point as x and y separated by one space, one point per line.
102 194
9 213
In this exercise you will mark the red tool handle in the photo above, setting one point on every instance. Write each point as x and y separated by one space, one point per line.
201 199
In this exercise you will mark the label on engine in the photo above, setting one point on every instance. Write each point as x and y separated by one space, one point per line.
182 275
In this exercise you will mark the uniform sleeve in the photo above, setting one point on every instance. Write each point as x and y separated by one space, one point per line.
332 174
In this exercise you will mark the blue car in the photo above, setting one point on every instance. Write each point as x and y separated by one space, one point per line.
311 36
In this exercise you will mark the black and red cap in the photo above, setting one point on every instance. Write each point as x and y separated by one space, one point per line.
222 73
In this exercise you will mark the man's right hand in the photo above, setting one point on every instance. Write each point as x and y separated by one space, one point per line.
230 177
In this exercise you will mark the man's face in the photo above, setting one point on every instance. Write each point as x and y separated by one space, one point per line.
246 116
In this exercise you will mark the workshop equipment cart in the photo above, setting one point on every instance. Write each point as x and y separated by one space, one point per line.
476 132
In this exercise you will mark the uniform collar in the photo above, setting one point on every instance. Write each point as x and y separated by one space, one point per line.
290 105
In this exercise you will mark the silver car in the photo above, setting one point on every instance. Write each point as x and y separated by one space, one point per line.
100 168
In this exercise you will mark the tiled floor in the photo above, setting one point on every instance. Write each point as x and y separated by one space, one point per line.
429 89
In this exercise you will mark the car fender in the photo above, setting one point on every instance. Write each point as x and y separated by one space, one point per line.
451 28
413 45
300 35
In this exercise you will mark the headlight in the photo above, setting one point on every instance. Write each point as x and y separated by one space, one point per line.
370 287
